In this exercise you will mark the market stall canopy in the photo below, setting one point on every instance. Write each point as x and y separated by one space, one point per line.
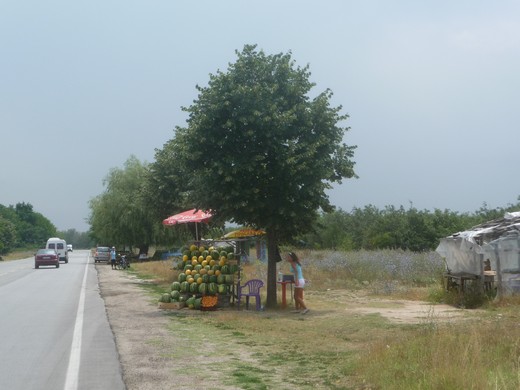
243 233
192 215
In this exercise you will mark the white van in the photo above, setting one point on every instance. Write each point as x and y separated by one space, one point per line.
59 246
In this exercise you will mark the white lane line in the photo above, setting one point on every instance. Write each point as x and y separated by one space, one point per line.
71 382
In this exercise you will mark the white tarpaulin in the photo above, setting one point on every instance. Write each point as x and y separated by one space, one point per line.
497 240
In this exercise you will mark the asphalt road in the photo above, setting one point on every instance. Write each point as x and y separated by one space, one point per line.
54 332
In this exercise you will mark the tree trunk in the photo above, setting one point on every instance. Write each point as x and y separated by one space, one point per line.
272 244
143 249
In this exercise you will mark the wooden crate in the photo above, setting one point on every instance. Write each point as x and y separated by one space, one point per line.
171 305
224 300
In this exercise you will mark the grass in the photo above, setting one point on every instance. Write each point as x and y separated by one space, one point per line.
329 349
20 254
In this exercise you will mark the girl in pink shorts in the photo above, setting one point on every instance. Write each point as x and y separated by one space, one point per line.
299 282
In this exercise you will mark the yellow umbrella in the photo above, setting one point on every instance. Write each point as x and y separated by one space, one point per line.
243 233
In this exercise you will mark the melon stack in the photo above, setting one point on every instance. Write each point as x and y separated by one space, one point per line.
204 273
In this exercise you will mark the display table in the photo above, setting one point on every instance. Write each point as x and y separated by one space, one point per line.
458 280
284 291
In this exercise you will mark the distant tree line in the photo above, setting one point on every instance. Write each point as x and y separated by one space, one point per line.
394 228
22 227
79 240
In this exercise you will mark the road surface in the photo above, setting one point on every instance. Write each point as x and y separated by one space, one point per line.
54 330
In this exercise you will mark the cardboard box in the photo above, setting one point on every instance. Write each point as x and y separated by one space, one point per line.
288 278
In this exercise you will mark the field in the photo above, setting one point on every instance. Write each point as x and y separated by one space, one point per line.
377 321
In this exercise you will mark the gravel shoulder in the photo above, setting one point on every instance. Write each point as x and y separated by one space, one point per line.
137 325
148 348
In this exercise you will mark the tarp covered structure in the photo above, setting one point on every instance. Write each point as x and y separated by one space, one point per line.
497 240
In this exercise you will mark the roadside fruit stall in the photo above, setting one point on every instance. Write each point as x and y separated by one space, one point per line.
206 279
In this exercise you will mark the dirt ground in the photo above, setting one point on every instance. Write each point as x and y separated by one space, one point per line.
144 342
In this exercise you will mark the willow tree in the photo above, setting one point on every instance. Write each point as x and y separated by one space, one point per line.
261 151
121 214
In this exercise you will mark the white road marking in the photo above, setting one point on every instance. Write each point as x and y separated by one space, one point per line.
71 382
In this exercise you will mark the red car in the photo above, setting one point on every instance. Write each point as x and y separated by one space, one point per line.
46 257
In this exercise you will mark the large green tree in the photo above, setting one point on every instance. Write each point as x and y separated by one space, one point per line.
22 226
261 151
7 235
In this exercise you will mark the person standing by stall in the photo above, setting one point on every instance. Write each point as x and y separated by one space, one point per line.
113 257
299 282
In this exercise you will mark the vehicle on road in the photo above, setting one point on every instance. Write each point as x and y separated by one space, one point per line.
60 246
102 254
69 248
46 257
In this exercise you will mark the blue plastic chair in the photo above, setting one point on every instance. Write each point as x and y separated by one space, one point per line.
250 289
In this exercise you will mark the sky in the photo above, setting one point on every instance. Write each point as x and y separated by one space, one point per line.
432 90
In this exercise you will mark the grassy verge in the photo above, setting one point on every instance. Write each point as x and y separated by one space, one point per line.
334 350
20 254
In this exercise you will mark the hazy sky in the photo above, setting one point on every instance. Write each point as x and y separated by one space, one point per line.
432 89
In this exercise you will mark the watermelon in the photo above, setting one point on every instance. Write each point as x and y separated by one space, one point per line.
221 279
194 288
205 278
213 279
165 298
197 304
188 266
205 254
182 277
215 255
223 254
175 295
233 268
229 279
231 256
176 286
190 302
198 267
185 286
222 289
212 288
224 269
203 288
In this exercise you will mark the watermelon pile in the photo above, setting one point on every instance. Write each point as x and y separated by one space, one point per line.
203 272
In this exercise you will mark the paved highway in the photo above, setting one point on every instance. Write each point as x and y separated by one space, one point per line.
54 332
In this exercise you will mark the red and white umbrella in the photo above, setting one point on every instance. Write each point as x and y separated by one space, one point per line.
188 216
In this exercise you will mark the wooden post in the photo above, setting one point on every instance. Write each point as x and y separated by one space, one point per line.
481 270
499 273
